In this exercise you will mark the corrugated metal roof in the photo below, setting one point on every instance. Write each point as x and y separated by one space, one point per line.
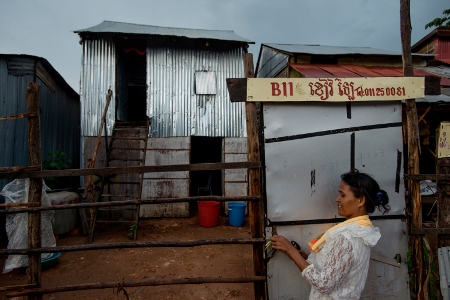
333 50
333 71
442 70
128 28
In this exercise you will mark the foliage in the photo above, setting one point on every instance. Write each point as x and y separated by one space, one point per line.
58 160
445 21
132 230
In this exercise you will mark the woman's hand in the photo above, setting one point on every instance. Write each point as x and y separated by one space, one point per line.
279 242
298 256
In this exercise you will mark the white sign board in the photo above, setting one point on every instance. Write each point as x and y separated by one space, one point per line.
335 89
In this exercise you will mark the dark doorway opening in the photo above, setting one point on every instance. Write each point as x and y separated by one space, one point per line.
132 94
205 150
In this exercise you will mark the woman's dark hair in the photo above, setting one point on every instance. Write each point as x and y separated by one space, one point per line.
362 184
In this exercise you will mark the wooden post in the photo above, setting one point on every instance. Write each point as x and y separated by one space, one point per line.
414 200
35 189
443 188
254 184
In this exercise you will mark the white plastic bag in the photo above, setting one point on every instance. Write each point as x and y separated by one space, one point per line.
17 224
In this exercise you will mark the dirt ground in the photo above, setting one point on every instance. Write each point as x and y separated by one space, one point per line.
150 263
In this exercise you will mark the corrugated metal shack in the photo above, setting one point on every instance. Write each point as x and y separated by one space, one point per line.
177 78
60 111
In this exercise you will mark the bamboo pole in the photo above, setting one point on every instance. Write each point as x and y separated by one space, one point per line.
35 188
254 184
146 282
413 156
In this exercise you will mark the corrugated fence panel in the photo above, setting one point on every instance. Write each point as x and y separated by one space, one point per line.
59 118
174 107
97 76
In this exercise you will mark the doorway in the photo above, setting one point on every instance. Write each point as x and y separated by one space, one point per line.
131 103
202 183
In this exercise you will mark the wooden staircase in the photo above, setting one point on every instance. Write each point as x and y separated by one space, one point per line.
127 147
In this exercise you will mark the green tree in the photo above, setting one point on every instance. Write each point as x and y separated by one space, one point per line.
445 21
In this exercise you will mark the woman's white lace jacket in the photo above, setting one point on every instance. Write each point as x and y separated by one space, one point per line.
339 269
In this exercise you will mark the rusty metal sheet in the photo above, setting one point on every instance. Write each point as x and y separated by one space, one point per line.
360 70
349 71
311 71
338 71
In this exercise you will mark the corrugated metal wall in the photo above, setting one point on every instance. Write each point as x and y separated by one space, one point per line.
98 74
271 63
175 107
60 115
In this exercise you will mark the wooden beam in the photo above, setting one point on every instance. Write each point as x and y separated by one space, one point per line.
443 191
129 170
432 85
237 89
421 231
130 202
254 184
156 244
146 282
414 200
20 116
35 187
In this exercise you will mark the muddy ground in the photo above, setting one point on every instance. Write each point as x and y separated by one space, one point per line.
150 263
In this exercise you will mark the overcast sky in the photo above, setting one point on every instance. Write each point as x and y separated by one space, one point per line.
45 28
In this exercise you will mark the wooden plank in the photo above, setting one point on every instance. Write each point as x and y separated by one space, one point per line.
237 89
146 282
127 170
432 85
35 187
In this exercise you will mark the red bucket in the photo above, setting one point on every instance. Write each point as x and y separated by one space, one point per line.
208 213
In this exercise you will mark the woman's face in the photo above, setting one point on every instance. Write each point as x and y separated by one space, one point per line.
349 206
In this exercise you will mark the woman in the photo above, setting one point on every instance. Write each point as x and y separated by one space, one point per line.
339 261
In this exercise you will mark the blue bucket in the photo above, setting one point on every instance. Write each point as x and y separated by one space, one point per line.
236 214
